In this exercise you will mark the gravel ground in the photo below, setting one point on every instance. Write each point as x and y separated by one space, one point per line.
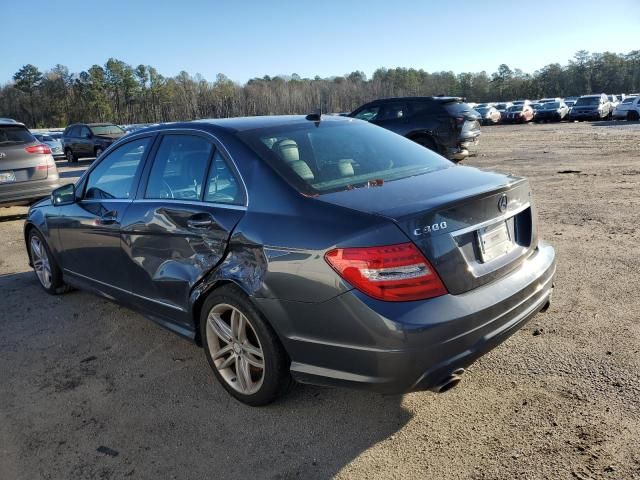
92 390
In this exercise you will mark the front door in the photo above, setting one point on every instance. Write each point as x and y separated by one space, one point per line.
88 230
178 228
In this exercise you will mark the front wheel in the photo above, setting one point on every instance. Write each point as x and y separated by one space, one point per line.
242 349
98 151
71 158
44 265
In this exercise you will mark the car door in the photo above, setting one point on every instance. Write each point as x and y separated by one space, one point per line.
88 230
85 143
178 228
393 116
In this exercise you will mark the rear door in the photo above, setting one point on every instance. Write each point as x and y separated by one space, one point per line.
17 163
85 143
178 228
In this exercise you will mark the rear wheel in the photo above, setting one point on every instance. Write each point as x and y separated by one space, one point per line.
244 352
71 158
44 265
633 116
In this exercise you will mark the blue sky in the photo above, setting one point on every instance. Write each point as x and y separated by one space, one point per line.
245 39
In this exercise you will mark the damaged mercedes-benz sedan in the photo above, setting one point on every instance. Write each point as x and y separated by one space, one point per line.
319 249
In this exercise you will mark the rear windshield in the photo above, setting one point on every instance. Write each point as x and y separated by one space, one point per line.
107 130
501 106
515 108
329 157
482 109
456 108
551 105
588 101
15 135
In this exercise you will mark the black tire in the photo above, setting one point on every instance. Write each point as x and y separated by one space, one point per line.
71 158
633 116
427 142
98 151
57 285
276 379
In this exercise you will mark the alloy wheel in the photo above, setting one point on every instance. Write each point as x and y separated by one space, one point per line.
235 349
40 260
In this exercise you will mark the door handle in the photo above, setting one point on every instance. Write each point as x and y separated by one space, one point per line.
108 218
201 221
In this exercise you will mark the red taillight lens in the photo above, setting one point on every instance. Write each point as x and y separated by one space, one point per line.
459 120
38 149
394 273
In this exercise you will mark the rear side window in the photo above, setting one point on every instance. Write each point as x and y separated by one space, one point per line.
222 184
392 111
456 108
179 168
15 135
113 177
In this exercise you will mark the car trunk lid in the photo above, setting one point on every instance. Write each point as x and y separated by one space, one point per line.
473 226
16 163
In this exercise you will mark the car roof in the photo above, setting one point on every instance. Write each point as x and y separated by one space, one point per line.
238 124
11 122
442 99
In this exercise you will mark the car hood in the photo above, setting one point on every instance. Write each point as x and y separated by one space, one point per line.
428 191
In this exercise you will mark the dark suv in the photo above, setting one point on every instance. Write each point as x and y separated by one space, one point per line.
445 125
89 139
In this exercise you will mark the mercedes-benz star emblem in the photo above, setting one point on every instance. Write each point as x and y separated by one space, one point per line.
503 201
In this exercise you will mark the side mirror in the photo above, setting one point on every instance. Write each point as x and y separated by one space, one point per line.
64 195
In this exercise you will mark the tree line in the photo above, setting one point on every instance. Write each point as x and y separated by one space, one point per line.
120 93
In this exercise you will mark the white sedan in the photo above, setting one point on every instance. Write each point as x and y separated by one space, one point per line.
629 109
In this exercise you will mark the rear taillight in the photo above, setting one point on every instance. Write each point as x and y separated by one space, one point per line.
43 149
393 273
459 120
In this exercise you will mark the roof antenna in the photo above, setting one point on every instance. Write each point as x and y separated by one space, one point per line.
315 116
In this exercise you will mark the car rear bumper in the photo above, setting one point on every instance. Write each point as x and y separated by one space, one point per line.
24 193
585 116
355 341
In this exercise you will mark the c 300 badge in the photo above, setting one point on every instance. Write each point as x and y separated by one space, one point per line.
430 228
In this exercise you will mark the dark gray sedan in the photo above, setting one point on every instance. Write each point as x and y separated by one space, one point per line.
321 249
27 169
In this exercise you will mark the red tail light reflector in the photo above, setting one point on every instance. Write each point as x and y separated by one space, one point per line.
394 273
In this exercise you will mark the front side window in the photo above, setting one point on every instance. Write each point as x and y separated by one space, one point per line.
392 111
84 132
368 114
334 156
179 168
114 176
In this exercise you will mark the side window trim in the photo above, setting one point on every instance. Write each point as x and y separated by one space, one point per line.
83 180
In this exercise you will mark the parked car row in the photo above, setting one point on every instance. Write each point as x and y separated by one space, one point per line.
585 107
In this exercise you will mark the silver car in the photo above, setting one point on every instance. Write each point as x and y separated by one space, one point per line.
27 168
54 144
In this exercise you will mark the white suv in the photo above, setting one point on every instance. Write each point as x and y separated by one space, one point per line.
628 108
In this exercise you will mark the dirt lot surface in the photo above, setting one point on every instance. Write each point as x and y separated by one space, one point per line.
91 390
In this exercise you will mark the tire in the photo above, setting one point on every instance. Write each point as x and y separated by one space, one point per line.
261 382
98 151
633 116
45 267
71 158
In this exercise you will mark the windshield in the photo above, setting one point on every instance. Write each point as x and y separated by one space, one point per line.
15 135
515 108
482 110
107 130
552 106
324 157
588 101
501 106
629 100
44 138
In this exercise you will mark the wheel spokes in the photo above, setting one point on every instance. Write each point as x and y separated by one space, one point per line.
220 328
